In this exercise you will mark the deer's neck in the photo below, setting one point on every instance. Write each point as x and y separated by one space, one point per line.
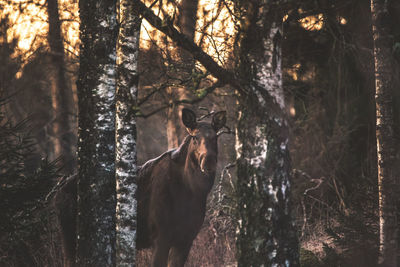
179 155
199 183
195 180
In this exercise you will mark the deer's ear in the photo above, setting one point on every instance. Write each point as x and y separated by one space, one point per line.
218 120
189 119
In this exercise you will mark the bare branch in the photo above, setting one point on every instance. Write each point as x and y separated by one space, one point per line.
209 113
226 131
207 91
157 89
166 26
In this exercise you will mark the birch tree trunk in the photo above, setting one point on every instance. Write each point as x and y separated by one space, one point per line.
266 234
96 147
126 160
61 92
387 178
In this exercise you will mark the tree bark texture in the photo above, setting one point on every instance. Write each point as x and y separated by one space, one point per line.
61 91
126 159
266 233
387 178
96 146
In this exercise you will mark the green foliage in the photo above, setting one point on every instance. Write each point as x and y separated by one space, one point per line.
22 195
197 77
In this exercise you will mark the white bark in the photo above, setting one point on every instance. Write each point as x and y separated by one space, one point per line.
266 235
388 178
126 163
104 127
269 70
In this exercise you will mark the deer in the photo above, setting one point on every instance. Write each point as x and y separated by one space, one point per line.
172 194
172 191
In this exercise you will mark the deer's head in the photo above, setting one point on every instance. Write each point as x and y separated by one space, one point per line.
203 148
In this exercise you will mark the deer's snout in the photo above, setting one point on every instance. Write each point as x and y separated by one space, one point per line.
208 162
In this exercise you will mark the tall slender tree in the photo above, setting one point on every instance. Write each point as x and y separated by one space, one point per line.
60 90
266 233
126 160
388 181
96 147
187 25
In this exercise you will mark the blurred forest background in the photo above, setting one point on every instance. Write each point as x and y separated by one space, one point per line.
329 89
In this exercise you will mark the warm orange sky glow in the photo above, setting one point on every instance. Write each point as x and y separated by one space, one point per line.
28 22
312 23
69 14
222 29
214 30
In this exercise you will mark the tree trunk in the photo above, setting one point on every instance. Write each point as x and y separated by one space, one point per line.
387 179
266 232
187 24
126 160
61 92
175 130
96 147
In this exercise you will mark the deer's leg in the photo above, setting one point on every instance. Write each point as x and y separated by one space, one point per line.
179 254
160 253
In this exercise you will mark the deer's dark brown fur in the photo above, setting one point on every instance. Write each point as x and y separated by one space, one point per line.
172 193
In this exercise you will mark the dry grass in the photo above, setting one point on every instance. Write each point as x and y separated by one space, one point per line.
213 247
316 239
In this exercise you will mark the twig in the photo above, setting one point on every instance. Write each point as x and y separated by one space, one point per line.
228 131
221 178
145 98
208 90
209 113
319 182
59 184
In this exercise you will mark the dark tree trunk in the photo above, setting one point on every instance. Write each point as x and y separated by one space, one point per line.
61 92
187 24
387 178
96 147
266 236
126 159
